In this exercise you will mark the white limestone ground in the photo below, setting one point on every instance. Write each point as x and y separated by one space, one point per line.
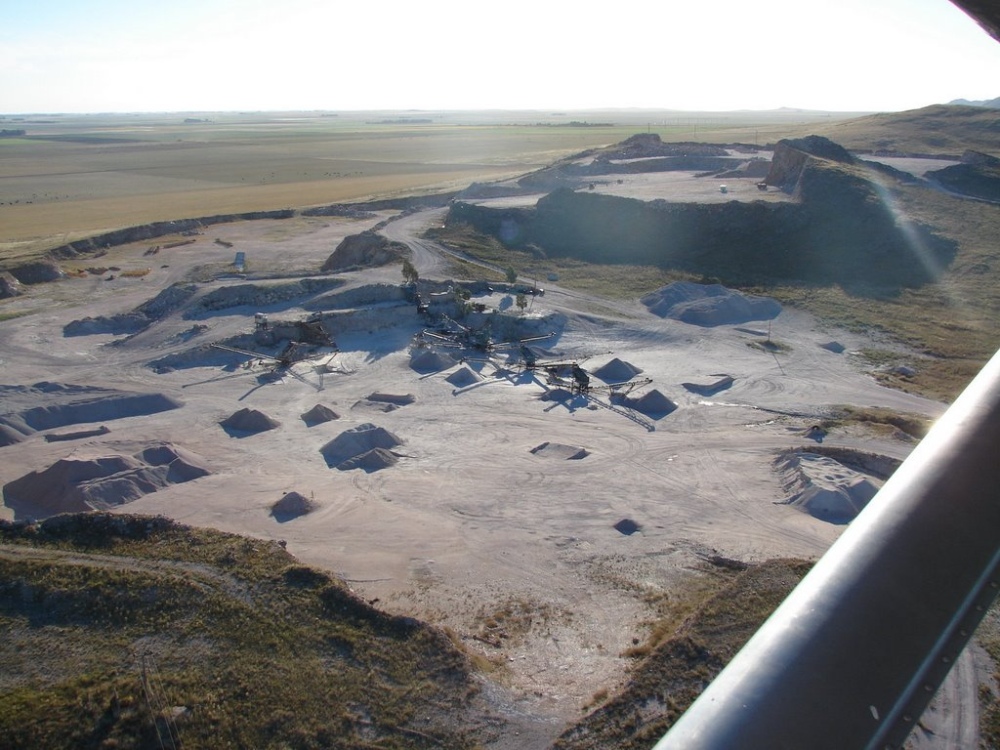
463 513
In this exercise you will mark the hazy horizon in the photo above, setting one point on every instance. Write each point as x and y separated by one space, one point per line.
108 56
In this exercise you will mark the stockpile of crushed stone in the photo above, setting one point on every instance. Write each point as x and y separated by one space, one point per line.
63 405
318 415
652 404
560 451
709 304
249 421
426 361
348 450
369 461
78 484
824 488
292 505
616 371
463 377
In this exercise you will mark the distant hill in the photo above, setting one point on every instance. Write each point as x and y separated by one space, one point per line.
940 130
991 103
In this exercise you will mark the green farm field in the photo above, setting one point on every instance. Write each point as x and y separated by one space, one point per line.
72 176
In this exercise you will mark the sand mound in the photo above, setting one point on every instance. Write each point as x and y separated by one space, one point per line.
652 404
77 484
627 527
248 421
721 383
373 460
292 505
464 376
74 404
709 304
9 436
560 451
825 488
616 371
356 442
318 415
426 361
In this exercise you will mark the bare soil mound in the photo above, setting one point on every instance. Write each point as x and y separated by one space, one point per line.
74 404
248 421
384 402
356 442
79 484
560 451
292 505
709 304
616 371
823 487
318 415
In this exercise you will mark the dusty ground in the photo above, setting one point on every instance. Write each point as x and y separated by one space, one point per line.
516 551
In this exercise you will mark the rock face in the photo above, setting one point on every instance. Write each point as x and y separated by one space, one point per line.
839 231
364 250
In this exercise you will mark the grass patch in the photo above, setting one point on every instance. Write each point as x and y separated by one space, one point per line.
255 649
881 421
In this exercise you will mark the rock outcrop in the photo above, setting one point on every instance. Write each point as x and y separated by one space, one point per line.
364 250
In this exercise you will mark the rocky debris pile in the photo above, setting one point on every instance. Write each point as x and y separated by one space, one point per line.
709 304
318 415
248 422
259 295
79 484
138 319
73 404
292 505
560 451
823 487
364 250
463 377
646 145
9 285
616 371
350 449
37 272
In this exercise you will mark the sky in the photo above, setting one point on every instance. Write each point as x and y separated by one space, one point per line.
698 55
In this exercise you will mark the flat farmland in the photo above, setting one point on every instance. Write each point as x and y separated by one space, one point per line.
76 175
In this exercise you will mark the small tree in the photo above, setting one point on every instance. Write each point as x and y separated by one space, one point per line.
521 301
410 275
511 274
